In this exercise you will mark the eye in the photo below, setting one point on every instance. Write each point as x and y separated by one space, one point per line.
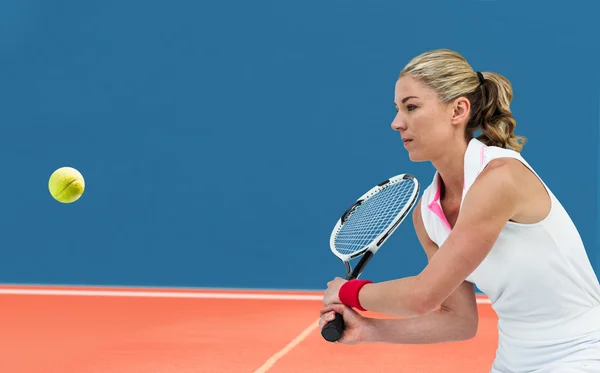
410 107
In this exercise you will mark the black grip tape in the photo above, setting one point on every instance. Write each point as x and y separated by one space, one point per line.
334 329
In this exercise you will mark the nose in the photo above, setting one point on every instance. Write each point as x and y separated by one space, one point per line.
398 123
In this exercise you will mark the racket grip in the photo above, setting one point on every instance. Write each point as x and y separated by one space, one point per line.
333 330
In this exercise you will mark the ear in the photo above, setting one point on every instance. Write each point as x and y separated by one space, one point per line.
460 111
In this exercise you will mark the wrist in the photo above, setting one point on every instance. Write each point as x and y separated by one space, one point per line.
349 292
371 332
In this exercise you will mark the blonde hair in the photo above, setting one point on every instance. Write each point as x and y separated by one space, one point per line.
449 74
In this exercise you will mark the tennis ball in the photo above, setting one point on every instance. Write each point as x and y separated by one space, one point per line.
66 185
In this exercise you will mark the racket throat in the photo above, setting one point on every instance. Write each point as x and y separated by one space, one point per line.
354 274
348 270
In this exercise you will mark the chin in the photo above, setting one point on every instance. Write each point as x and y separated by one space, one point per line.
415 156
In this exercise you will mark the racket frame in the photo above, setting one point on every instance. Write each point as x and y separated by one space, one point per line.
367 252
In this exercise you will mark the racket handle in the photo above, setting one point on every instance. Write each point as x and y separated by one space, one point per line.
333 330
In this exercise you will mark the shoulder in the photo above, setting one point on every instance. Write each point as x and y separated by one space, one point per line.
495 189
509 163
500 192
504 177
498 175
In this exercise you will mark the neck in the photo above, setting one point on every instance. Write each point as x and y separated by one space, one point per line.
451 170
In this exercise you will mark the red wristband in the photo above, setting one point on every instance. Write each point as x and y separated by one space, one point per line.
348 293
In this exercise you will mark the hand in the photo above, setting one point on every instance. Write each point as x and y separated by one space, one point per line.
331 295
357 328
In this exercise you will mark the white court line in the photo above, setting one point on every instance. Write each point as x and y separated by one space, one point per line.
158 294
172 294
273 359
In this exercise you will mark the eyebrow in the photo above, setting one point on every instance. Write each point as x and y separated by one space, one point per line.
406 99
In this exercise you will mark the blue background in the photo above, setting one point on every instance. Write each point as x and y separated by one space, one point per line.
220 141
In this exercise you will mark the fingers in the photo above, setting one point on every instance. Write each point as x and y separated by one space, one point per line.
329 283
326 318
328 313
335 307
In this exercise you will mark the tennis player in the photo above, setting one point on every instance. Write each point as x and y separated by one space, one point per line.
487 219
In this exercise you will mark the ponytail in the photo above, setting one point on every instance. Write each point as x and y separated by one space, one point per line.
492 114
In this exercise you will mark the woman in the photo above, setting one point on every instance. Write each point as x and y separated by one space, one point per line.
486 219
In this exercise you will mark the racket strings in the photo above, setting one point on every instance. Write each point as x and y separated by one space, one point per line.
373 217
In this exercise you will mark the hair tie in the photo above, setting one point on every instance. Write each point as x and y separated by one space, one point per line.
481 78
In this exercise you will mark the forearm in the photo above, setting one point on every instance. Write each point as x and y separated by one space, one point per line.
435 327
400 297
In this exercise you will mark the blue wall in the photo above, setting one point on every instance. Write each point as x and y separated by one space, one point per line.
221 140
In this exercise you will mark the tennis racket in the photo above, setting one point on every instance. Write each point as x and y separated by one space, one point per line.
365 226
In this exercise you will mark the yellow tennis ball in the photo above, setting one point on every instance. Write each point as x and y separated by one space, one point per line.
66 184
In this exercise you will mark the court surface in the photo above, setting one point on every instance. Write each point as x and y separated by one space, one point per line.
106 330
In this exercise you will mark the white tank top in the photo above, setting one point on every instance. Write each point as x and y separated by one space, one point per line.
538 277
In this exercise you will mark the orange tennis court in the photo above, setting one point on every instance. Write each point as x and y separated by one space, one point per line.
164 163
106 330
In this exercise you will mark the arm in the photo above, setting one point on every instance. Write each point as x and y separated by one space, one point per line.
492 201
456 319
439 326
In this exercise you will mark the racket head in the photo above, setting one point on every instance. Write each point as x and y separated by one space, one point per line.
373 217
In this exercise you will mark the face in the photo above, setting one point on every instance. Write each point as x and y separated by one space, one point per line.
426 125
